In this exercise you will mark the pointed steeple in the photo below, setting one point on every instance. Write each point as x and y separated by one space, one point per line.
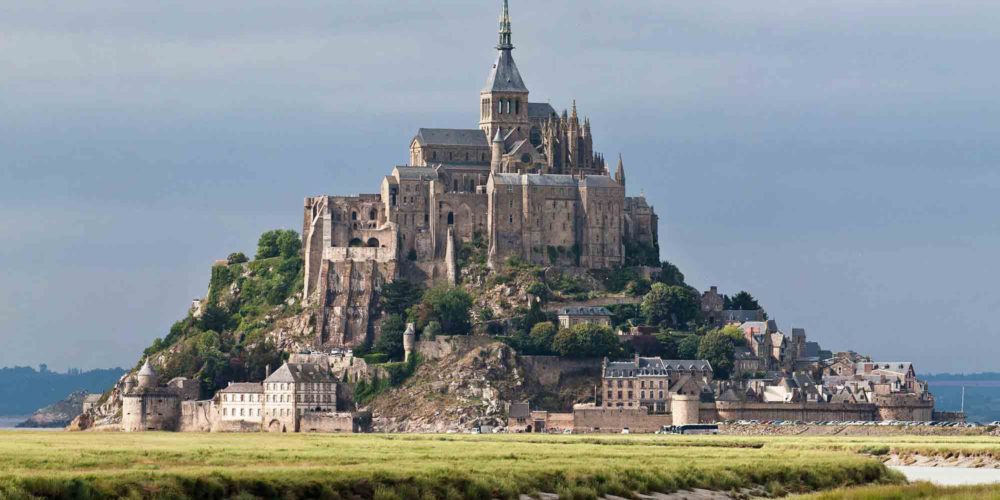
505 77
505 38
620 171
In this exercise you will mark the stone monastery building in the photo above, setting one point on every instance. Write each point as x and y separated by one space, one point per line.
527 183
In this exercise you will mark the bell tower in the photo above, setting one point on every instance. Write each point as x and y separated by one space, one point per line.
504 99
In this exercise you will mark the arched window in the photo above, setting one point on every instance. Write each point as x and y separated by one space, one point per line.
451 218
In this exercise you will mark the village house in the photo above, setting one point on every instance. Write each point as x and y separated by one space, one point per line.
572 316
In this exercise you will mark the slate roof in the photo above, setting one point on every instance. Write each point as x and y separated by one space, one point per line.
654 366
244 388
301 373
504 77
541 110
519 410
892 366
554 180
416 173
599 181
740 316
451 137
584 311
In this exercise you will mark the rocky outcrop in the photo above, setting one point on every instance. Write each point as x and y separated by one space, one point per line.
470 387
58 414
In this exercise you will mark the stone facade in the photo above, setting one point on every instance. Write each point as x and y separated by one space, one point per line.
527 182
572 316
651 383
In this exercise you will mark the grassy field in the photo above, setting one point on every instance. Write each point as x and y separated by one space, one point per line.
165 465
907 492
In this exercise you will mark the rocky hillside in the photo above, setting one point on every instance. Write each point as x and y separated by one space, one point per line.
58 414
470 388
251 317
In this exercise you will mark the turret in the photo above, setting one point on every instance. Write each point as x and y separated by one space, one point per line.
409 340
496 152
147 376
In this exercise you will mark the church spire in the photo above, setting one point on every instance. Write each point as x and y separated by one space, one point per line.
620 172
505 39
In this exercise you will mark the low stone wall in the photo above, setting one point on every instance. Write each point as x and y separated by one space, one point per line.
197 416
550 370
791 411
327 422
237 426
614 420
443 346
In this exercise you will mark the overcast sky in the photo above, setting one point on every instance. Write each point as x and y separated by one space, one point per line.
839 160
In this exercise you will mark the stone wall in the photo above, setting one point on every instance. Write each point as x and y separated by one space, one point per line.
904 407
327 422
197 416
443 346
806 412
588 418
152 410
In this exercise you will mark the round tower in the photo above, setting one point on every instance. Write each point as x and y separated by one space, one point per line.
409 340
684 409
147 376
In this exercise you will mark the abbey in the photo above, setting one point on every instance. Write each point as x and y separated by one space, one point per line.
527 183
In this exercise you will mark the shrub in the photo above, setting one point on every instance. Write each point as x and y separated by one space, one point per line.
433 329
237 258
586 340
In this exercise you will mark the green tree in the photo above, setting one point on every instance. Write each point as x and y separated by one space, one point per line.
278 243
718 348
400 295
390 342
670 305
586 340
449 307
688 347
742 301
671 275
542 335
237 258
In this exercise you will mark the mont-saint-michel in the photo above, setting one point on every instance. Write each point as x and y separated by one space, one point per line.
504 291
